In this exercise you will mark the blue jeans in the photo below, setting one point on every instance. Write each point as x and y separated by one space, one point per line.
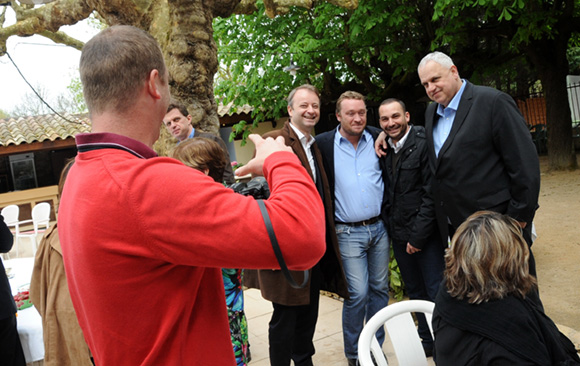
422 273
365 257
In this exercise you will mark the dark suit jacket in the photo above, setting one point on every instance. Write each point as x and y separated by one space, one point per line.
272 283
325 142
7 304
488 162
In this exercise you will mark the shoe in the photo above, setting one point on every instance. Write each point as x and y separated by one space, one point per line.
352 362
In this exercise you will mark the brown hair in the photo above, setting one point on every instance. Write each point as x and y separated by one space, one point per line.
488 259
115 64
63 175
348 95
312 88
201 153
174 104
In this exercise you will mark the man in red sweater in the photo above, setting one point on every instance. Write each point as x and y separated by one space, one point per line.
144 237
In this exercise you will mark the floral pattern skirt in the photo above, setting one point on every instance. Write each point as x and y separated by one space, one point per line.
238 324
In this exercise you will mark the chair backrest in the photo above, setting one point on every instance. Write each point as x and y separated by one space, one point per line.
10 214
41 215
402 332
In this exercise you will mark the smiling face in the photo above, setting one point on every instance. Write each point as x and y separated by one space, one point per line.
352 117
394 120
305 110
441 83
177 124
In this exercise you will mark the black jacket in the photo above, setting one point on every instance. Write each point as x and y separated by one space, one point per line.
410 208
7 304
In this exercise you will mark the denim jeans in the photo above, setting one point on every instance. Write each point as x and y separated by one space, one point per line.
422 273
365 256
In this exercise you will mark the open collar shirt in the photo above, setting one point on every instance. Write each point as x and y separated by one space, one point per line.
358 179
447 114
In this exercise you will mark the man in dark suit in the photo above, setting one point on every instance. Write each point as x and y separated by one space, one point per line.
480 150
11 353
293 322
357 189
178 123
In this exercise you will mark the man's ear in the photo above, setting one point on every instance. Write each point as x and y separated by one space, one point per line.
153 83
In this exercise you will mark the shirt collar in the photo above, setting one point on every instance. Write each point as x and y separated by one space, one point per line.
135 147
454 104
399 145
366 136
302 137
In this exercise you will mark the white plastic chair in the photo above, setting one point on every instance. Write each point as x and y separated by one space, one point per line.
402 331
40 217
10 214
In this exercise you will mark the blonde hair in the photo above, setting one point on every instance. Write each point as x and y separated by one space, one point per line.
202 154
488 259
348 95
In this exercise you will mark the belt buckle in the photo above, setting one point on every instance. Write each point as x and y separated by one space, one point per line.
365 222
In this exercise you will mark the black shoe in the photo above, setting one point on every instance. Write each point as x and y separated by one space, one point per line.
352 362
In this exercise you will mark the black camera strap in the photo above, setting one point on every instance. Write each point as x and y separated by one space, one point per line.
277 250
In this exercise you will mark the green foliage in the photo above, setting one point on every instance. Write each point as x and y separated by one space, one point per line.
368 50
76 98
395 280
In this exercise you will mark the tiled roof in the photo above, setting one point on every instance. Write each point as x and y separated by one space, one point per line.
229 109
16 131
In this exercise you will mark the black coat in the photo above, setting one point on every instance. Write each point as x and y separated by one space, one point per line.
410 209
7 304
488 162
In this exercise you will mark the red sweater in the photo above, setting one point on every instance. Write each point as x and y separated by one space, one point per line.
143 241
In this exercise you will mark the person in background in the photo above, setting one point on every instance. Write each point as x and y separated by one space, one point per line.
178 122
11 353
412 225
208 157
484 314
64 343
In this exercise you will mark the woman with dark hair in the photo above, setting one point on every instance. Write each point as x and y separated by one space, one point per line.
484 312
208 157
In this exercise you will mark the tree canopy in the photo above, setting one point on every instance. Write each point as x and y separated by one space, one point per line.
375 49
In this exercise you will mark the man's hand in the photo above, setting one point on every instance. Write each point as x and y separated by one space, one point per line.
264 148
381 144
411 249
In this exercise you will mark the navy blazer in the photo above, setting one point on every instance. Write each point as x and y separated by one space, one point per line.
325 143
488 162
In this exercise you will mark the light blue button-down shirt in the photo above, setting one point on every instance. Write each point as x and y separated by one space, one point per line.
443 126
358 183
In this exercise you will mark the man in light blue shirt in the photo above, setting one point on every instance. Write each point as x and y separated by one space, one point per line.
356 182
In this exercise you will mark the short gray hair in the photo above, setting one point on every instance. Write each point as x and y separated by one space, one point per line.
312 88
439 57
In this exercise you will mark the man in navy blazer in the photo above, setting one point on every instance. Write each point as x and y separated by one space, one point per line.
480 150
357 188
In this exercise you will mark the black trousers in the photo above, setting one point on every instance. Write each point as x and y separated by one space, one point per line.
11 353
292 328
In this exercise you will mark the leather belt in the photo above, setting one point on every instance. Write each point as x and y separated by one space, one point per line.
361 223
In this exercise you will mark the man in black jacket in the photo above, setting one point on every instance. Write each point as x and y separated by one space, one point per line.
411 215
11 353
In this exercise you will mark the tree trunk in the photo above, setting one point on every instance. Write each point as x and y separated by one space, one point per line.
549 57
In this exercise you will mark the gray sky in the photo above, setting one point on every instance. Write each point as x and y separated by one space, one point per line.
42 62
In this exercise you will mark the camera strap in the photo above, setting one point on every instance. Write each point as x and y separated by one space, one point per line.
277 250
